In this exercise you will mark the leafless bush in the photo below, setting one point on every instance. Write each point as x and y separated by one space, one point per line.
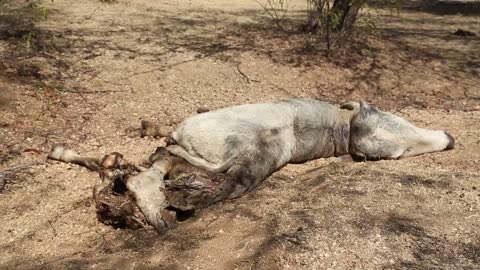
276 9
332 22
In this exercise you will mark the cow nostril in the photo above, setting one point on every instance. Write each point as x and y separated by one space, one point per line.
451 141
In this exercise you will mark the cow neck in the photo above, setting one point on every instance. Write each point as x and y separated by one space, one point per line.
341 133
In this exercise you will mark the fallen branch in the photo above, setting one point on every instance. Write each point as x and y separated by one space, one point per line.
21 167
162 68
4 173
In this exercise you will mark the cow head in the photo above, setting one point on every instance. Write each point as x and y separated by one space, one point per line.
375 134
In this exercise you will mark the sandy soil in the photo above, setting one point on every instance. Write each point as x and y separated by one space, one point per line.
92 71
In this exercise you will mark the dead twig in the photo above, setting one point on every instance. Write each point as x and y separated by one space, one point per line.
212 221
107 81
164 67
282 90
42 112
244 75
92 92
53 228
35 150
401 108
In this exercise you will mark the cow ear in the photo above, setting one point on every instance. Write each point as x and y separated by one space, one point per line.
367 109
364 108
352 106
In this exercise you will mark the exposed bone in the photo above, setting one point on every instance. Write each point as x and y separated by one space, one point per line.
150 128
112 160
110 169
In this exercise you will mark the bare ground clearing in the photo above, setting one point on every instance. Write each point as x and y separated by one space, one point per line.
93 70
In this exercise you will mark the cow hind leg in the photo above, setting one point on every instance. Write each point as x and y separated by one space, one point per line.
244 176
179 151
251 167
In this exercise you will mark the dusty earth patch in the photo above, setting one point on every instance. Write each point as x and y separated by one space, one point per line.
94 70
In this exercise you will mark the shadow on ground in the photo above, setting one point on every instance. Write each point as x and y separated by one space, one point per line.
170 34
344 201
445 7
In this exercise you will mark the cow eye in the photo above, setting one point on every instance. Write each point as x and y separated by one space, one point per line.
408 151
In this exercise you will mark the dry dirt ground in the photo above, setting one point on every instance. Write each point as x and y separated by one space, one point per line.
88 74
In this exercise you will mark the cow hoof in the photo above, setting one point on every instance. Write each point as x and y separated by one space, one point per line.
60 153
451 141
111 160
56 153
150 128
163 221
160 153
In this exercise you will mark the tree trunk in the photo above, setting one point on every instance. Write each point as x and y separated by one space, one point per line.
347 11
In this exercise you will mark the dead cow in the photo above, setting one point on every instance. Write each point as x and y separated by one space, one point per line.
243 145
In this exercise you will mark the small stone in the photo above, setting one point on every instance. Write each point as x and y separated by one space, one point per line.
202 109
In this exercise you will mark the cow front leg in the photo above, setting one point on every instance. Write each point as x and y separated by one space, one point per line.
148 188
63 154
